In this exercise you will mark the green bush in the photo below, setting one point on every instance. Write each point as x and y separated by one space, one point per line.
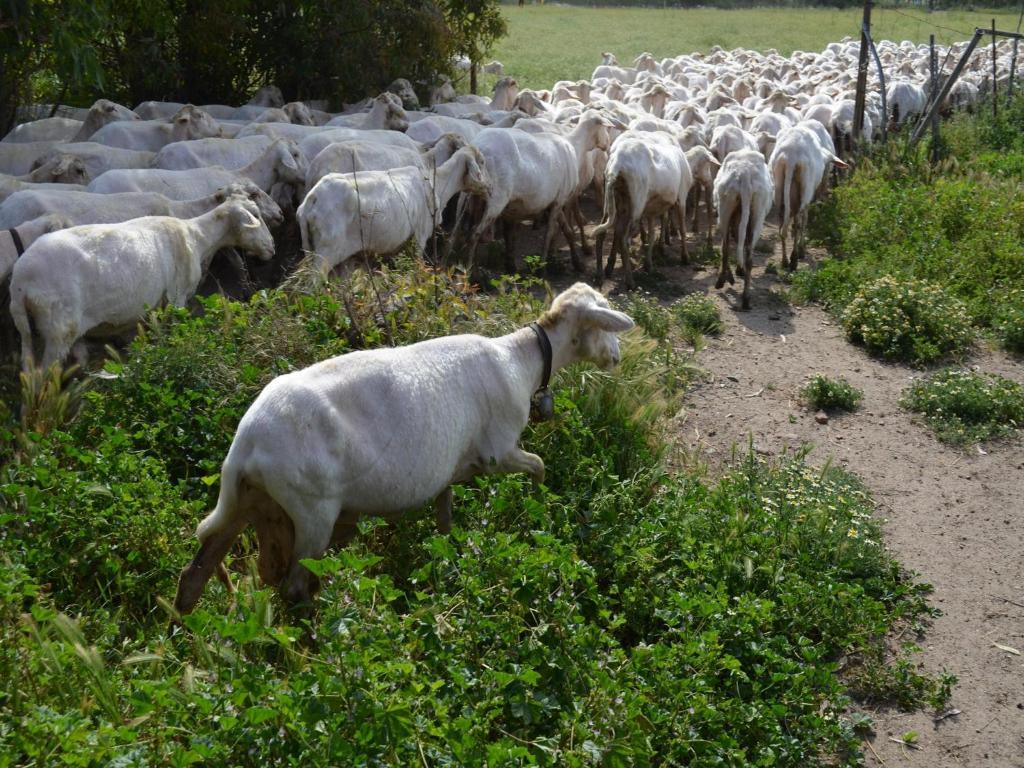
1008 321
697 315
964 407
825 394
619 616
907 320
648 313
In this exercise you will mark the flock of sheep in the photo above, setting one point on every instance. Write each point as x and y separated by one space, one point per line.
124 210
120 210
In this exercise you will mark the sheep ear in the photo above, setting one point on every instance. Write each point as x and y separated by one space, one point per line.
839 163
288 160
609 320
249 221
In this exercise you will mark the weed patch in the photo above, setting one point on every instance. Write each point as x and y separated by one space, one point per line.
964 407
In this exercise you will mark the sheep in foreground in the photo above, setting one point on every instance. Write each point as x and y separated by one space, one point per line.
106 275
351 156
383 432
743 197
379 211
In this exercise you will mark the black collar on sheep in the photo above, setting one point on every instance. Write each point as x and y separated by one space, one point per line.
542 404
19 247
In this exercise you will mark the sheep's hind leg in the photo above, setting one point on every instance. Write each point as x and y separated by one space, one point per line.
443 510
208 560
314 527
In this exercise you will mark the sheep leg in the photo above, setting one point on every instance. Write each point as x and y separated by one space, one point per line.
313 520
207 561
748 267
443 511
708 209
649 254
460 212
577 215
554 212
627 265
684 257
563 225
599 252
725 271
510 255
518 460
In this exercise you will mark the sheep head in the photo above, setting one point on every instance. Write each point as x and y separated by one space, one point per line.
248 230
269 210
591 324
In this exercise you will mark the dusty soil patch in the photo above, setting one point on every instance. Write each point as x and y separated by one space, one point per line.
956 517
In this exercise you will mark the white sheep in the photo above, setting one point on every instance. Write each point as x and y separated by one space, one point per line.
647 177
432 128
152 135
379 211
98 158
350 156
743 198
281 163
505 92
101 113
200 153
16 239
93 208
798 165
10 185
106 275
383 432
386 112
533 175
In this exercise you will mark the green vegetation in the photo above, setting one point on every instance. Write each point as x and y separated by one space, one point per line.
963 407
553 42
958 225
619 616
908 320
697 316
825 394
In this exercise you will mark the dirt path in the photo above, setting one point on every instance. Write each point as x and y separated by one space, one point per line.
955 517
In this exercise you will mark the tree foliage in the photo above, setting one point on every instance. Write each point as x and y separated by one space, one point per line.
219 51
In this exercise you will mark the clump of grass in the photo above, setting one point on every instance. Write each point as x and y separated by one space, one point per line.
825 394
908 320
645 310
964 407
697 315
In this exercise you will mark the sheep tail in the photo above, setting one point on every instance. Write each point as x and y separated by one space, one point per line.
227 502
307 236
609 204
20 314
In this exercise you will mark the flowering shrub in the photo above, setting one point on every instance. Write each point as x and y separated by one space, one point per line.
908 320
823 393
965 407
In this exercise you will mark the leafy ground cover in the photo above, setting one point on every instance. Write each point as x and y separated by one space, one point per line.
964 407
953 231
619 616
823 393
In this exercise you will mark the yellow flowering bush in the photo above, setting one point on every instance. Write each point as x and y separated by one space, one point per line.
909 320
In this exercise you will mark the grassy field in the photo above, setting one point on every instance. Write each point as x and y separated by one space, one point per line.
548 43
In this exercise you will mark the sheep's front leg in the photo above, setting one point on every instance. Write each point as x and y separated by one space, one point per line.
443 511
518 460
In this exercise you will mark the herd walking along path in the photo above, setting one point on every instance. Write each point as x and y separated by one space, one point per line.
955 516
